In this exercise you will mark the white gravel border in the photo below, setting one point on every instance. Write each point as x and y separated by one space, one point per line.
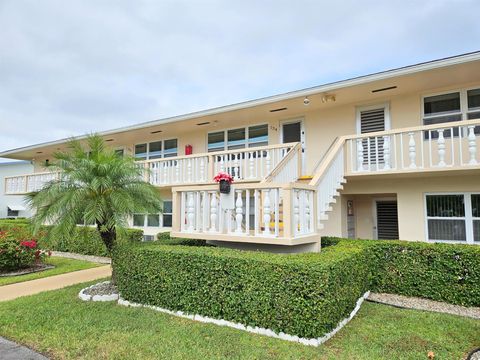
86 297
256 330
91 258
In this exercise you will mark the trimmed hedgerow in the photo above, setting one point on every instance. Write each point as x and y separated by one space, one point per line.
442 272
165 239
83 240
302 294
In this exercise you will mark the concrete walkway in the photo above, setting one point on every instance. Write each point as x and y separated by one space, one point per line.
13 291
12 351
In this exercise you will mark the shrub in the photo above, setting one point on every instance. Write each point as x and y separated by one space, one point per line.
17 253
84 240
302 294
165 239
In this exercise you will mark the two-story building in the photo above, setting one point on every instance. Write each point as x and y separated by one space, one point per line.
391 155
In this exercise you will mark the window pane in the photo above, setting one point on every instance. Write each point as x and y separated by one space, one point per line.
476 205
236 139
153 220
139 220
141 151
155 150
119 152
442 104
445 206
473 99
258 135
171 148
291 132
167 207
167 220
446 230
476 230
216 141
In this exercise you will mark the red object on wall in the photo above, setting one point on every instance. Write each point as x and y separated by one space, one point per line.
188 149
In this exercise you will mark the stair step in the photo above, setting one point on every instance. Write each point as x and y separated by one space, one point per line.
305 177
320 226
323 217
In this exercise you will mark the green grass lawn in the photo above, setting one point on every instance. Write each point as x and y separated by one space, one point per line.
62 265
60 325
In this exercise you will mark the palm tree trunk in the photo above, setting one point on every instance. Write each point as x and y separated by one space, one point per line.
109 238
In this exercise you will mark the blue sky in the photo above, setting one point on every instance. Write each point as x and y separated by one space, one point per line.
77 66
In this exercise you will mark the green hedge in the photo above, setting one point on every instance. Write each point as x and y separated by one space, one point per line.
83 240
165 239
302 294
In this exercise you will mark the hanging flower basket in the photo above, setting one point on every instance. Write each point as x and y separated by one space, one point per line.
225 181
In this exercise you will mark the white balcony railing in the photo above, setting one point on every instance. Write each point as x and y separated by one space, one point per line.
258 213
22 184
433 147
250 164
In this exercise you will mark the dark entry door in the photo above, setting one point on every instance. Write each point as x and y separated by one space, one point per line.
387 219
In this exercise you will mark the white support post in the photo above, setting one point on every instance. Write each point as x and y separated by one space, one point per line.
412 154
202 169
266 212
307 211
472 145
268 163
238 212
441 148
189 170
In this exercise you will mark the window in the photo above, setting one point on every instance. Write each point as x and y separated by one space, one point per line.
12 213
155 220
167 214
120 152
454 106
239 138
453 217
156 149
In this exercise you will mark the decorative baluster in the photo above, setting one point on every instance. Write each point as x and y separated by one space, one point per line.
213 211
359 155
441 148
236 166
222 164
266 212
177 171
386 153
239 212
165 172
296 212
251 165
202 169
307 211
472 145
189 170
190 211
268 162
412 150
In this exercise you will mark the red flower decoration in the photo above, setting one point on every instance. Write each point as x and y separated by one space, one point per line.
223 176
31 244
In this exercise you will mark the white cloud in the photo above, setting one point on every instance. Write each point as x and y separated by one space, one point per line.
79 66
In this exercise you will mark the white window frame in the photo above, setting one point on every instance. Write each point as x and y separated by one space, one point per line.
148 149
468 218
225 134
145 219
384 106
463 102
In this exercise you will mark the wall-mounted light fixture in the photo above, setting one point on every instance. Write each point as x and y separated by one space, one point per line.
306 101
328 98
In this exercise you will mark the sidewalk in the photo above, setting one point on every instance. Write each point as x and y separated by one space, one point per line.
12 351
13 291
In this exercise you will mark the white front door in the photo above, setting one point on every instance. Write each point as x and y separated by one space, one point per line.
293 131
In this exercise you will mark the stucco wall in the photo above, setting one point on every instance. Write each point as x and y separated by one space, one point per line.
410 195
12 169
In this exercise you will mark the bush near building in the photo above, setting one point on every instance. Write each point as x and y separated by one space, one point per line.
299 294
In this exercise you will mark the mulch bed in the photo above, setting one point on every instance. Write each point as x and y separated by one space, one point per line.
32 269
